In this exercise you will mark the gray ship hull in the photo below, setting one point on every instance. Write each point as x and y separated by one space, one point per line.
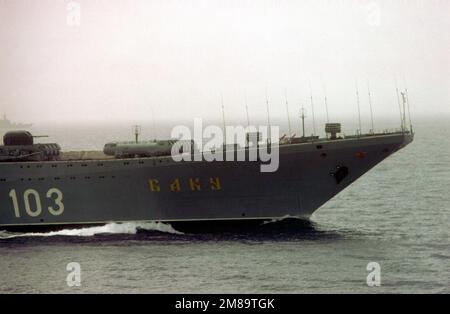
85 192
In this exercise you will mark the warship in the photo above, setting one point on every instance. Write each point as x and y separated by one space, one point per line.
6 124
44 188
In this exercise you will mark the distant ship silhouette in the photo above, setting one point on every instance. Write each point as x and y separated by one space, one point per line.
5 123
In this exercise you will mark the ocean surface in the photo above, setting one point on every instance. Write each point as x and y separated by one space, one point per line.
397 215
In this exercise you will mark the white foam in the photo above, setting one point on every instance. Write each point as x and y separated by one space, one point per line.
274 220
111 228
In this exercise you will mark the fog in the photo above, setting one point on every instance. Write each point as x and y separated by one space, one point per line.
139 61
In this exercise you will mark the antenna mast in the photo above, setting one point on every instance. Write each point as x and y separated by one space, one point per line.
407 103
370 105
409 111
404 110
302 116
287 111
137 132
399 106
312 109
359 110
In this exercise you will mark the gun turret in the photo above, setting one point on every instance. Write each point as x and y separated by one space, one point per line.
20 146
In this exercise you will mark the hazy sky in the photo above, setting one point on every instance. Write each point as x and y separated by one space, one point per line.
138 60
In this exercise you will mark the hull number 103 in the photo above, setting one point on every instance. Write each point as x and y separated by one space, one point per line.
33 204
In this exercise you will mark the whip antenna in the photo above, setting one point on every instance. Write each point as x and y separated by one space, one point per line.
267 107
287 112
246 110
312 109
326 101
370 105
359 109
